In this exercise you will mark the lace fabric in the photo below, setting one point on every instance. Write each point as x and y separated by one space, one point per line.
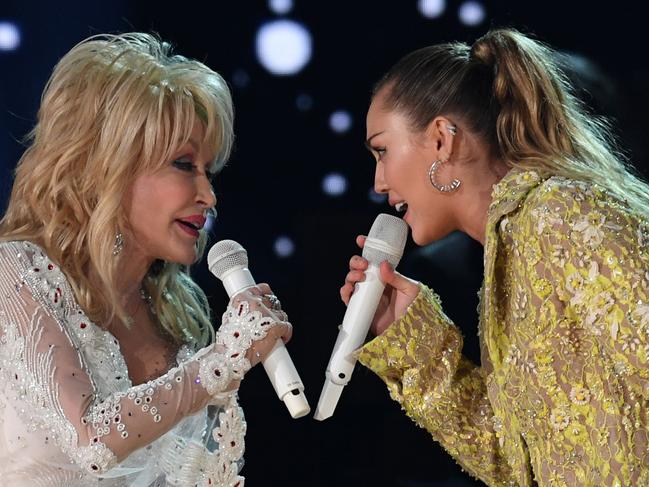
562 395
69 414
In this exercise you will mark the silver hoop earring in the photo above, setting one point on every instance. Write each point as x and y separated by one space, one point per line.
119 244
442 188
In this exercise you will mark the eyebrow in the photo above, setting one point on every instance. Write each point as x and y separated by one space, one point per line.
369 140
194 145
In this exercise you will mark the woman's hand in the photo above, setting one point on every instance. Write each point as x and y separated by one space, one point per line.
399 292
262 299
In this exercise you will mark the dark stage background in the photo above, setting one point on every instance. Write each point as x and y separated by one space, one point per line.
271 194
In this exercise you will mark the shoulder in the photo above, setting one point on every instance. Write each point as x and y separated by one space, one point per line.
580 214
26 265
561 202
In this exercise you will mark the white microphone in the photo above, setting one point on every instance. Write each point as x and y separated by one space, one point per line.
228 261
386 241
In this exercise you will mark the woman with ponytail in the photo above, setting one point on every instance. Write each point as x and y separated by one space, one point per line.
108 360
489 140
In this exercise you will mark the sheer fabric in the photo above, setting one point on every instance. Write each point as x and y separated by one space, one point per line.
69 414
562 397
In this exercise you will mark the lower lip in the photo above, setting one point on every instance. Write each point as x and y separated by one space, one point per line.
187 230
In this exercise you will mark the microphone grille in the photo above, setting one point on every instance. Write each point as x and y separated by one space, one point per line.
226 255
386 240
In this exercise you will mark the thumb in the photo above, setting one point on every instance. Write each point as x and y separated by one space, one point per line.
398 281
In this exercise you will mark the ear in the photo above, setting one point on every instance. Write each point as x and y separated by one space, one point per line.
440 135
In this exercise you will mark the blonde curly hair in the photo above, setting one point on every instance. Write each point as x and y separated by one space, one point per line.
115 106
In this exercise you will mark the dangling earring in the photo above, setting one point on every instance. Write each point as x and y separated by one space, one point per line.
432 172
119 243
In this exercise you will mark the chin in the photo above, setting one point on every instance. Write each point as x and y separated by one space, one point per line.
183 257
421 240
424 238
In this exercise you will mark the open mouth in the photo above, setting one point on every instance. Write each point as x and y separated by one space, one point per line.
401 207
189 225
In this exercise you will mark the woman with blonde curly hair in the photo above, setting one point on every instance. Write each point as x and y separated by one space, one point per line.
107 355
489 140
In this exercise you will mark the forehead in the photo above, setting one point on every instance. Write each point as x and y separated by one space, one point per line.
382 119
197 142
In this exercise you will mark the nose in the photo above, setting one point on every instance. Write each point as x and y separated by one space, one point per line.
205 193
379 183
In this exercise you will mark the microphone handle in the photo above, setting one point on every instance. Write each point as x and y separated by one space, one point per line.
356 324
278 364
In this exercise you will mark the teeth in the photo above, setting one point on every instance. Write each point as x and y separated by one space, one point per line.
403 206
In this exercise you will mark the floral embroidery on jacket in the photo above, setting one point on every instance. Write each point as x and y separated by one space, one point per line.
561 398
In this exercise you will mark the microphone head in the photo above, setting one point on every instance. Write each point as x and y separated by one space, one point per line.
226 255
386 240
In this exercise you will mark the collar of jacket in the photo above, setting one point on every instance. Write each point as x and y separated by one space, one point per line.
507 196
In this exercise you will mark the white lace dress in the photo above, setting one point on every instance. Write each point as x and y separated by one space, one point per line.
69 414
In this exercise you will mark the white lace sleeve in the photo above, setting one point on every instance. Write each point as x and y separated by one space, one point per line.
51 383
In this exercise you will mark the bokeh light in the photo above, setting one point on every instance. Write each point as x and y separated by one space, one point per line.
334 184
9 36
472 13
283 47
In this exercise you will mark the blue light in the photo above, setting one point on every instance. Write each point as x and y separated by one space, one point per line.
334 184
283 47
9 36
284 246
472 13
377 198
340 121
280 7
432 8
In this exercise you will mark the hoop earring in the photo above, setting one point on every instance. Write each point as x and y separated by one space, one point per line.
442 188
119 244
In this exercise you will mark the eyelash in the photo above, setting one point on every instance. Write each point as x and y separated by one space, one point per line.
189 166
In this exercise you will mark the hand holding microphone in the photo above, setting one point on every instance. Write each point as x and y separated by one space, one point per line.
228 261
399 291
385 242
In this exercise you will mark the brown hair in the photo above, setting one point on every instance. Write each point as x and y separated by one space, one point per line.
508 89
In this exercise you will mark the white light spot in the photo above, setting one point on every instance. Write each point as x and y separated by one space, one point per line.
340 121
432 8
284 246
280 7
471 13
304 102
375 197
283 46
334 184
9 36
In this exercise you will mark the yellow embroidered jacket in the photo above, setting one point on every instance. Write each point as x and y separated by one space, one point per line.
561 397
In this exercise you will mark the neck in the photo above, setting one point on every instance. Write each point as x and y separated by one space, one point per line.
130 273
473 210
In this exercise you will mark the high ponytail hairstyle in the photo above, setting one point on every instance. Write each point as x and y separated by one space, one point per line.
508 89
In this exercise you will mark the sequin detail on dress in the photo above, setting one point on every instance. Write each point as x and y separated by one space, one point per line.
66 399
562 396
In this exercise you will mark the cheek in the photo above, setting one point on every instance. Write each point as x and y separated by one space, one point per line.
142 201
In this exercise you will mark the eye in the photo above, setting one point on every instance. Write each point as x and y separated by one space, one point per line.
380 151
184 165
